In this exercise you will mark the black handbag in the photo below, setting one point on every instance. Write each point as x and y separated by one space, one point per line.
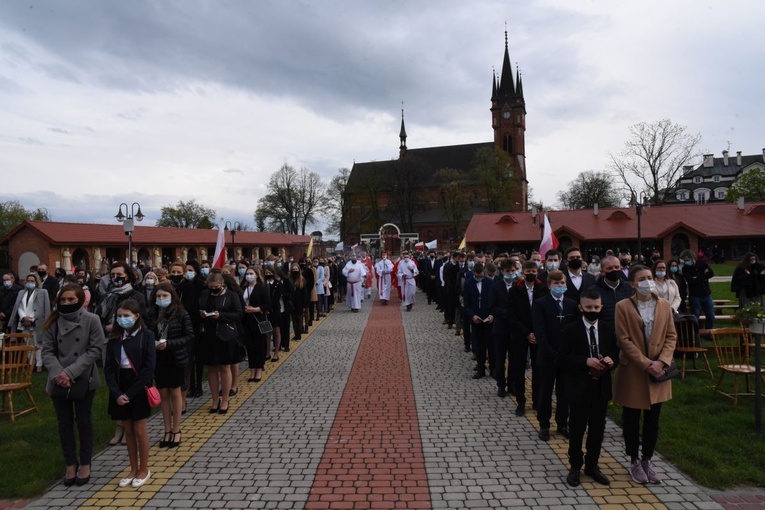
265 326
74 392
671 372
226 331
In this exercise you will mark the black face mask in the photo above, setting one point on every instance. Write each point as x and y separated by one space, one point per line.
216 291
269 277
69 308
176 278
42 274
591 316
575 264
531 277
613 276
295 272
119 281
624 262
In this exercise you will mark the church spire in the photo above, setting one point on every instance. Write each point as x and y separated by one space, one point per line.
402 134
519 81
506 88
493 86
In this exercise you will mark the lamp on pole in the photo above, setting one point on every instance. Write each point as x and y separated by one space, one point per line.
639 200
236 227
126 218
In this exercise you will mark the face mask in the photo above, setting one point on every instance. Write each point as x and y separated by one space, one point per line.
215 291
118 281
42 274
517 274
591 316
190 275
163 303
250 278
295 272
557 291
471 264
508 277
530 277
7 284
270 263
353 261
624 262
752 261
539 264
315 264
241 271
551 266
126 322
205 271
269 277
462 264
613 276
68 308
575 264
432 257
292 260
688 262
176 278
661 274
149 282
385 257
646 287
478 278
30 285
674 269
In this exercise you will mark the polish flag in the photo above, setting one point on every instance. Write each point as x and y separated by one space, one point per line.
549 241
220 246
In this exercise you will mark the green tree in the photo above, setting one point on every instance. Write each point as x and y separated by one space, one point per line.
652 159
187 215
12 213
453 200
589 189
750 185
492 170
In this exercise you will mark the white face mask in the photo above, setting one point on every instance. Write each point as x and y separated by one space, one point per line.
646 287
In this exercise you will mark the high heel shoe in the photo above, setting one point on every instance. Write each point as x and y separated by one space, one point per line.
215 409
166 440
174 443
222 411
68 482
82 481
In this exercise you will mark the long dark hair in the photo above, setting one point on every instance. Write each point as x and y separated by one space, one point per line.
69 287
132 306
163 314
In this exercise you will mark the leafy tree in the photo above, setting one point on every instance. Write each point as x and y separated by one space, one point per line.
589 189
12 213
491 167
293 201
653 158
187 215
337 207
453 200
750 185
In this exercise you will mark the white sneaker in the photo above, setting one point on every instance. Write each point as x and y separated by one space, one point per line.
125 482
650 473
637 473
138 482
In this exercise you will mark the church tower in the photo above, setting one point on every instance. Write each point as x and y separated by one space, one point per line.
508 119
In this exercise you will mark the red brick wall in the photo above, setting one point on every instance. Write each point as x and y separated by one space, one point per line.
28 240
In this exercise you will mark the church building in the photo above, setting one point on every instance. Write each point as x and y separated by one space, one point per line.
434 191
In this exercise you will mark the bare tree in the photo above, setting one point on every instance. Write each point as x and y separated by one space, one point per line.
292 201
405 179
653 158
453 200
337 207
589 189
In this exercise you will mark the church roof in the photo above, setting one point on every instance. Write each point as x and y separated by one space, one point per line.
428 160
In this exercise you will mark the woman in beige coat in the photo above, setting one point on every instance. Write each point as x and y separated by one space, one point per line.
644 316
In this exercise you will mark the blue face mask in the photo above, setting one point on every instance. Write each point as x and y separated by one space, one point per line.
557 291
241 271
674 269
163 303
661 274
508 277
205 271
517 273
688 262
126 322
30 285
190 275
470 264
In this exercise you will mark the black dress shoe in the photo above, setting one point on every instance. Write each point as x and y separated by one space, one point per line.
563 431
597 475
68 482
573 478
467 348
501 393
520 410
198 392
544 434
478 374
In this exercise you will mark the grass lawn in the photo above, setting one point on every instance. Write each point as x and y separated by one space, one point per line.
723 269
31 452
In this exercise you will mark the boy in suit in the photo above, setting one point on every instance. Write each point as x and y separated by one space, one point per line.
548 316
587 356
478 312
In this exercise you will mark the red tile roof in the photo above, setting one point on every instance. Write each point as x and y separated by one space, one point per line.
94 233
712 220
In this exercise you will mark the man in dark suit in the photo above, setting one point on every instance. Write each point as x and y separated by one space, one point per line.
522 339
548 315
429 275
478 311
500 310
49 283
587 356
451 276
576 279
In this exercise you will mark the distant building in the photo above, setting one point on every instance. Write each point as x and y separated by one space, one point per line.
409 192
709 182
722 231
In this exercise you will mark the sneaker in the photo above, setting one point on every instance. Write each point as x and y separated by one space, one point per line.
650 473
637 473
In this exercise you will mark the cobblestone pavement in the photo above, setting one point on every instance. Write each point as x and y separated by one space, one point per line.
324 427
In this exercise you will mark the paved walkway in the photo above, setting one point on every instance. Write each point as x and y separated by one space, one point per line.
373 410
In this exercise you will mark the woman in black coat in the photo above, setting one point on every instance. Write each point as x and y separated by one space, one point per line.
175 334
257 304
299 299
748 281
285 307
274 338
189 291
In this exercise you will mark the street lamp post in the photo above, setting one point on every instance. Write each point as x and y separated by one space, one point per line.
639 201
126 218
234 229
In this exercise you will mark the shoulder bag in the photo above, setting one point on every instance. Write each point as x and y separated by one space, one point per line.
671 372
152 393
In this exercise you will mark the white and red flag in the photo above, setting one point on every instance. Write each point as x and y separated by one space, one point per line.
549 241
220 246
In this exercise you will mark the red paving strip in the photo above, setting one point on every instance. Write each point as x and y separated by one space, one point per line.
13 504
373 457
741 501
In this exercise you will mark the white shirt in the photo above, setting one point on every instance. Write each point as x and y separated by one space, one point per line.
576 279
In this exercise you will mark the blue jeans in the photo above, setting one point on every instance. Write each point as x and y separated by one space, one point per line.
697 303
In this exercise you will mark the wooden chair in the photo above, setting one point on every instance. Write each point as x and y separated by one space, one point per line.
17 360
732 357
689 345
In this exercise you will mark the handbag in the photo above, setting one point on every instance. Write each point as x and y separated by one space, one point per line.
152 393
225 331
671 372
75 391
264 326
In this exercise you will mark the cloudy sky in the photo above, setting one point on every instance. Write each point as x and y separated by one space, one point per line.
105 101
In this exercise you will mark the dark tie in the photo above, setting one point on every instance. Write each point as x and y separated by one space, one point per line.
593 342
560 307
